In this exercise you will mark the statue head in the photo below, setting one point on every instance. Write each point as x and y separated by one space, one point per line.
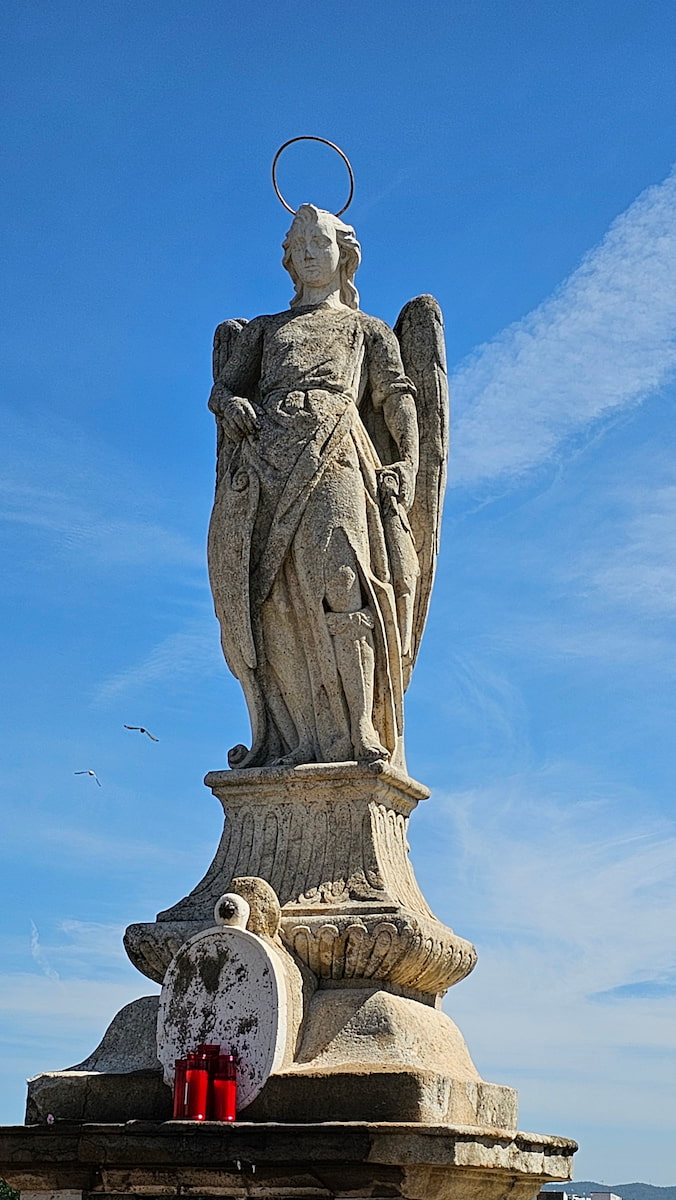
333 246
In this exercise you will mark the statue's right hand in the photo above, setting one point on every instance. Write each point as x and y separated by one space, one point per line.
238 418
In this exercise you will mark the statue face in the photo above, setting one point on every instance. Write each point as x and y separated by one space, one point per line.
315 253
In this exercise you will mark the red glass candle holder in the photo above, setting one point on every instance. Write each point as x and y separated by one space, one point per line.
197 1087
179 1088
225 1088
210 1052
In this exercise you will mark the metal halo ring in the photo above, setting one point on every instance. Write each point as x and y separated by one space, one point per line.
308 137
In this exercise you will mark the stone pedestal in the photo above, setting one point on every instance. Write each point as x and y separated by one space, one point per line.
320 854
331 840
330 1161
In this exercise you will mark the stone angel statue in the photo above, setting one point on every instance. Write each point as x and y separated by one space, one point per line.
332 446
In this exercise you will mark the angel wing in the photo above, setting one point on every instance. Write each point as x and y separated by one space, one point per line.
420 331
224 341
232 604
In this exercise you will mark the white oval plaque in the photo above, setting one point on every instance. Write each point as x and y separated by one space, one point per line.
225 986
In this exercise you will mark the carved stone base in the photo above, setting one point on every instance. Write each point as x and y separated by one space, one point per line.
331 840
362 1053
383 1095
290 1096
309 1161
355 1027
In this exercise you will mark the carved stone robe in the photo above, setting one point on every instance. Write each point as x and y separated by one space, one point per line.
308 476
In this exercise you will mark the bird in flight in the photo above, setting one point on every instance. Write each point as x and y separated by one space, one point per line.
142 730
92 773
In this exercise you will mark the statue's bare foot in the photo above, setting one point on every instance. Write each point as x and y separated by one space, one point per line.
302 754
371 752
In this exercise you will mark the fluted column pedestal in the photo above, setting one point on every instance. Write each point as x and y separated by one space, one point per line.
331 840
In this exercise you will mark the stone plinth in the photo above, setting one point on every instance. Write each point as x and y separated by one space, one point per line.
316 1162
332 841
292 1096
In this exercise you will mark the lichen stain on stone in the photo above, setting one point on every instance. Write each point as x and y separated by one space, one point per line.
210 972
208 1020
247 1025
183 974
175 1007
241 973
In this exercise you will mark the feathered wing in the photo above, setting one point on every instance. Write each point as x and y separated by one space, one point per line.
420 331
230 535
224 341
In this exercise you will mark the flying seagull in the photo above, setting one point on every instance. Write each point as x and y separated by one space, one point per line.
142 730
92 773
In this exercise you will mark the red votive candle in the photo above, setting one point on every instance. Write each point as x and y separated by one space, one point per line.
210 1052
225 1088
197 1087
179 1088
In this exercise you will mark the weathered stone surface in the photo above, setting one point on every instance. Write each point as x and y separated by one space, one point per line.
151 948
265 914
332 837
296 1094
359 1159
352 1026
129 1043
120 1080
324 531
98 1096
226 987
363 1093
331 841
318 834
61 1194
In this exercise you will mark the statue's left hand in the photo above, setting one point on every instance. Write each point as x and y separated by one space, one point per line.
236 414
406 473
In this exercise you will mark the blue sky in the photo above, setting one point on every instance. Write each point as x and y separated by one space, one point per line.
514 159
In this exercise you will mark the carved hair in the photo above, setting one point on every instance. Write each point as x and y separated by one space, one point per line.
350 253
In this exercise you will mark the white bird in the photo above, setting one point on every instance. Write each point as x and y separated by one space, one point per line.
142 730
92 773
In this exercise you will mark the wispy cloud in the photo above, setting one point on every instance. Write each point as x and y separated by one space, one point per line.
91 941
604 341
83 527
574 914
194 651
90 851
81 949
641 570
83 500
591 638
38 955
78 1001
594 879
52 1018
69 1002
